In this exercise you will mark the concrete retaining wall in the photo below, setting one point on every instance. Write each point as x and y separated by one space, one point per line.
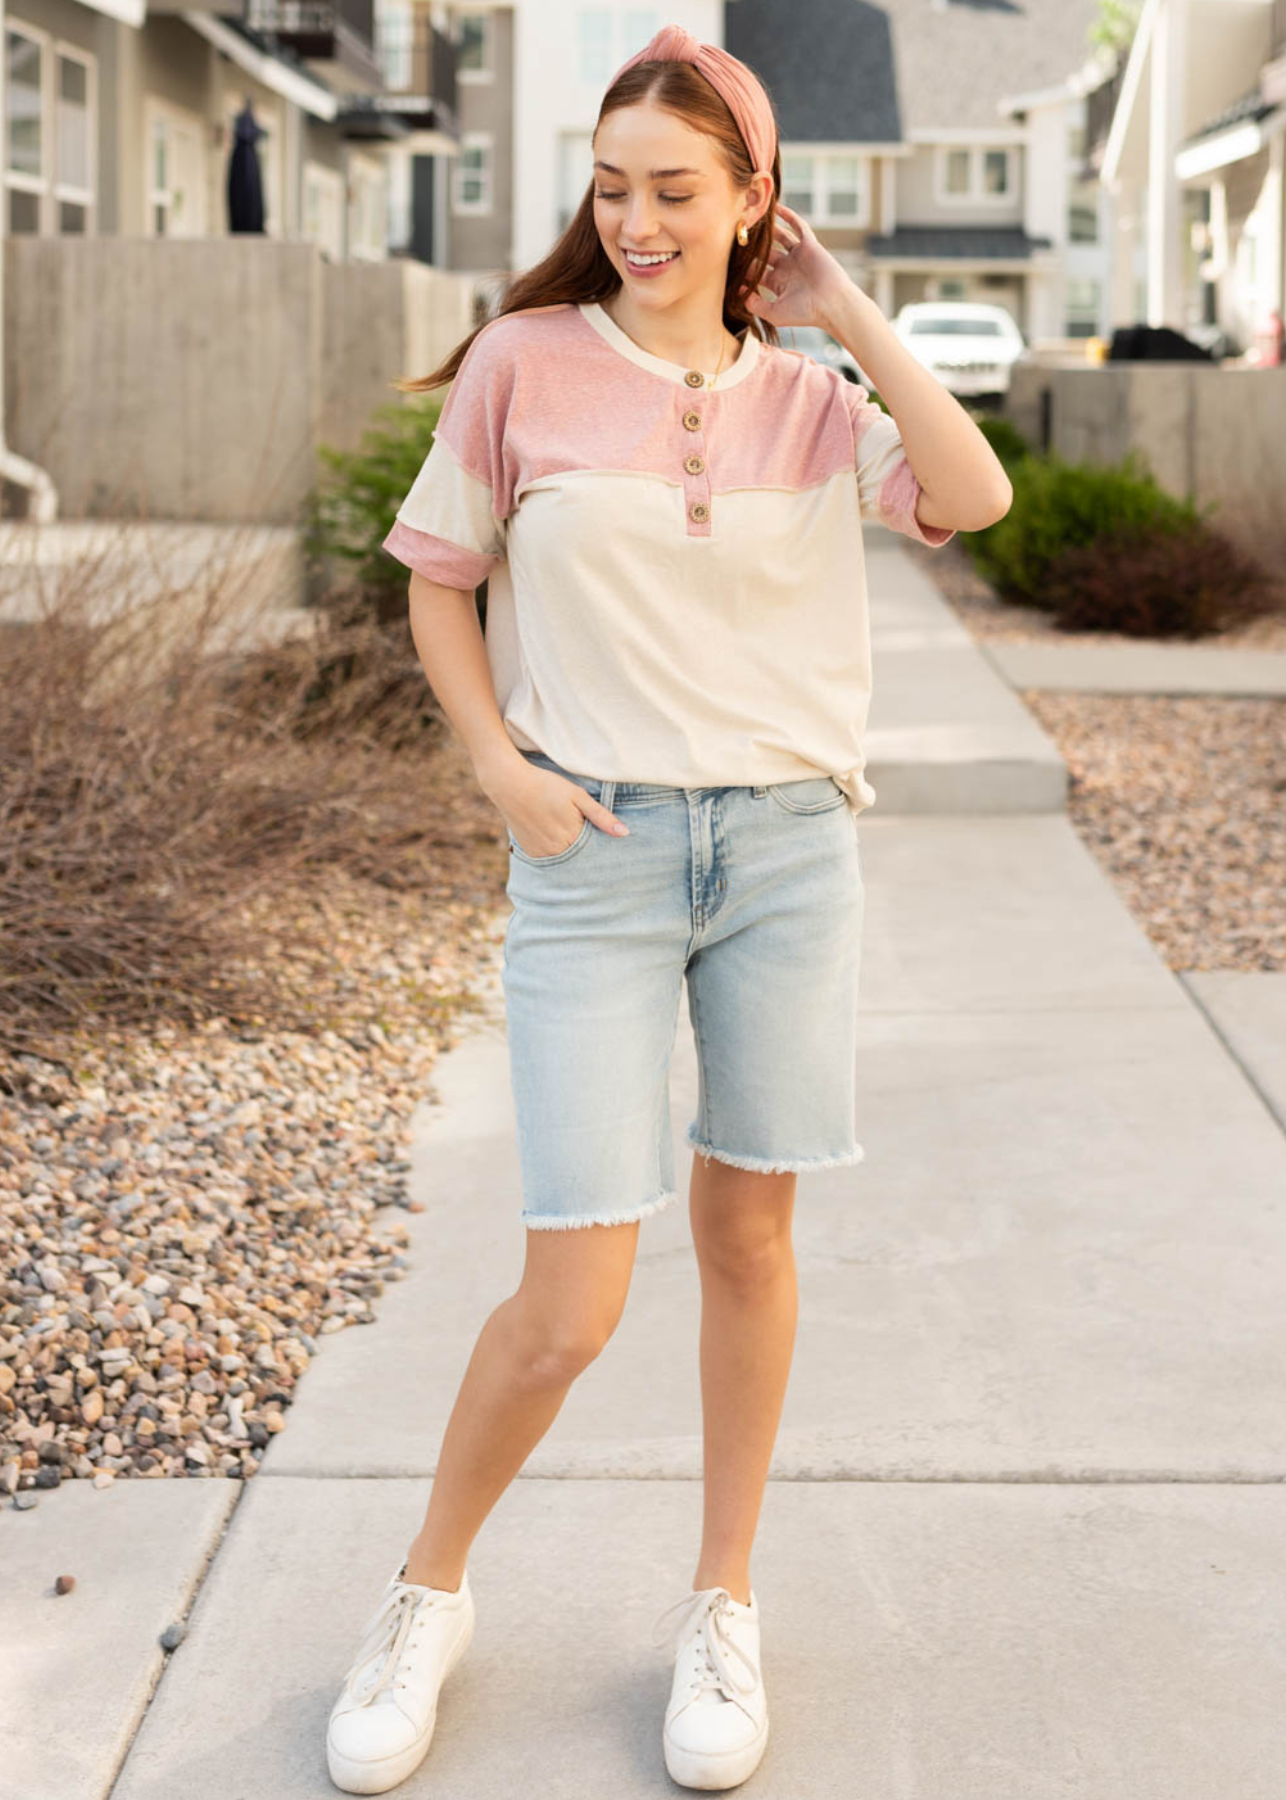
195 379
1208 433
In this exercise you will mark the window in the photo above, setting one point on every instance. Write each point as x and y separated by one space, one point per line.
73 178
1083 298
473 56
367 200
575 173
473 174
974 172
953 324
324 209
829 187
995 172
594 46
49 170
24 139
641 26
1077 132
843 187
797 183
174 196
1082 217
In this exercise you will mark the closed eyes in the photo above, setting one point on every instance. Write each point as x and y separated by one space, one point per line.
670 199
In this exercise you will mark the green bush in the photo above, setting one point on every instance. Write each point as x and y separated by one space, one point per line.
1008 443
1058 506
347 518
1156 581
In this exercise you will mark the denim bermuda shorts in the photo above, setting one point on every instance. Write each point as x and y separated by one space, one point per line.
756 895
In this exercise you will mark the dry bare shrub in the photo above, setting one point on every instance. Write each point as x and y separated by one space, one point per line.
173 763
1184 581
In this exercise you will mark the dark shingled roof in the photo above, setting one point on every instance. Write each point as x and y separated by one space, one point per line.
866 71
942 242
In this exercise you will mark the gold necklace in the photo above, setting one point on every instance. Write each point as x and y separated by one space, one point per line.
711 379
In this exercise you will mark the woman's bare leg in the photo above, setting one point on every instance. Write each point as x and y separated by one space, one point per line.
741 1227
526 1357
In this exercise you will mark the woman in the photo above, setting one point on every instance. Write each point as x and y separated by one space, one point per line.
667 709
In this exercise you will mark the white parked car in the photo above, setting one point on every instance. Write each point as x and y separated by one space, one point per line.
823 348
970 346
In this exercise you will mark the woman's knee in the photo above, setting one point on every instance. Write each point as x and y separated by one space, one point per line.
554 1348
746 1244
571 1298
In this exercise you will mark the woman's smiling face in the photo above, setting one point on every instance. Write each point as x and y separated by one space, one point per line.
661 188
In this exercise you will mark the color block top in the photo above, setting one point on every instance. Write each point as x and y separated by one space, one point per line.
676 585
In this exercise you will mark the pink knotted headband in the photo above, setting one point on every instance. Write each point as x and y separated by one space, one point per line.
729 76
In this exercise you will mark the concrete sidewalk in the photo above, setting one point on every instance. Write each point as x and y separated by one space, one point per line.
1141 668
1023 1536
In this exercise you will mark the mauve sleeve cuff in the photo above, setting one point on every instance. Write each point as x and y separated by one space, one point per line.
899 496
437 559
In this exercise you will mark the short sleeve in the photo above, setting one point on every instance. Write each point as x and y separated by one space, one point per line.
887 484
450 528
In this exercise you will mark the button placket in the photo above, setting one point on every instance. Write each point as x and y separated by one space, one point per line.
696 470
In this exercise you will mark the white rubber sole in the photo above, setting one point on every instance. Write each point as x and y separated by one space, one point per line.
380 1774
714 1768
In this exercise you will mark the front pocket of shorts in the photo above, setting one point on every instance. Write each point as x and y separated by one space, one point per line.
542 862
816 793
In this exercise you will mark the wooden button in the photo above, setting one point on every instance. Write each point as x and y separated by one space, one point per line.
694 464
699 511
695 378
692 421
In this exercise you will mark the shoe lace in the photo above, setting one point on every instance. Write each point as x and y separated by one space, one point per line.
706 1612
375 1670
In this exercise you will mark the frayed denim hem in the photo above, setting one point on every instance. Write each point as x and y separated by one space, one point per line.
569 1221
765 1166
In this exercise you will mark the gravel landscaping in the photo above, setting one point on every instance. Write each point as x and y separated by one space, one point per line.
185 1213
1181 797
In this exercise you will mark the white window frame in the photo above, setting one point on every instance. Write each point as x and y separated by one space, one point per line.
323 195
46 186
599 76
1091 312
19 181
65 190
575 149
821 157
484 15
1085 197
974 195
367 196
474 140
633 34
156 107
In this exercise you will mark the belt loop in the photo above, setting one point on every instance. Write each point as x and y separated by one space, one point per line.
759 792
607 795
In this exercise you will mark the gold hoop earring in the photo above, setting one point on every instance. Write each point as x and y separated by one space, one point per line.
743 236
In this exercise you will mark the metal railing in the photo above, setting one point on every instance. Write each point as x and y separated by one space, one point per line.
416 58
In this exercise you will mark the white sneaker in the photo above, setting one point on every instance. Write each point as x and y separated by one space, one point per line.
382 1724
716 1724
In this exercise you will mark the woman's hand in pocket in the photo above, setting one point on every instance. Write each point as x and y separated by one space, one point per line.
544 810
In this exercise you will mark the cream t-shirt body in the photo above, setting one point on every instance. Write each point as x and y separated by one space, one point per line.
676 582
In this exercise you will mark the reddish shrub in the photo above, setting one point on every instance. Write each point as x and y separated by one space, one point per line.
1174 580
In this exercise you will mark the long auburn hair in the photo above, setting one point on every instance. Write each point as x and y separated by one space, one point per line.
578 268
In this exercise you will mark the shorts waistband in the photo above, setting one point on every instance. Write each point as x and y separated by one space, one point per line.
625 791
